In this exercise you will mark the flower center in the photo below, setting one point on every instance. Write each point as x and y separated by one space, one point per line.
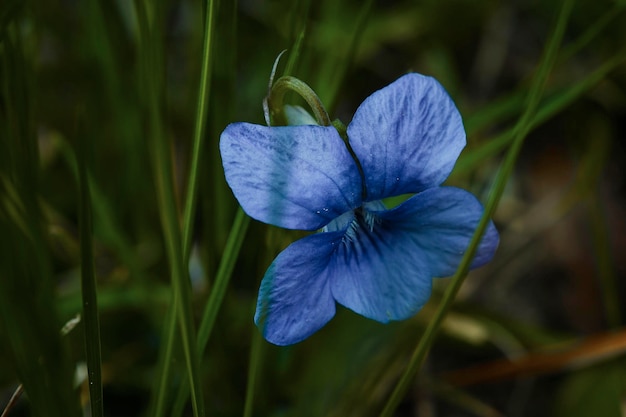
366 218
363 217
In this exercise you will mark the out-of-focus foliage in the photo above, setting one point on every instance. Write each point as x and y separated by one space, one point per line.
75 73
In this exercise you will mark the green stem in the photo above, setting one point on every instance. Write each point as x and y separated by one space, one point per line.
520 130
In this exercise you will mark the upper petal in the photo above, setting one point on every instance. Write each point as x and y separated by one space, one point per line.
407 136
297 177
295 298
385 270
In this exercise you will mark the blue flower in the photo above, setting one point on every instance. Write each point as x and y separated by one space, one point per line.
375 261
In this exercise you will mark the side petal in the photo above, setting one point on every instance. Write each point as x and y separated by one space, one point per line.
441 222
385 270
295 299
296 177
407 136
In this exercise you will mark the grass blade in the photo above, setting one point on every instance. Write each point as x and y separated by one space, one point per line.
256 354
165 358
520 130
551 106
198 136
28 317
88 284
222 278
151 63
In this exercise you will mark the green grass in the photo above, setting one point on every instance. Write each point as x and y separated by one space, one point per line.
113 204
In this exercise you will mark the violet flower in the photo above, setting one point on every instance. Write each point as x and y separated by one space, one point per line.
376 261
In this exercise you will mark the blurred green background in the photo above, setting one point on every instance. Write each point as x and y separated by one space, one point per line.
95 93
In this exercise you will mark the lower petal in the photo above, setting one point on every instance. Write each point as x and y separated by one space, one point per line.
295 299
378 275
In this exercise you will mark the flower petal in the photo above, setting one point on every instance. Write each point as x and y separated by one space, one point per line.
407 137
296 177
297 115
441 222
385 270
295 299
377 275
